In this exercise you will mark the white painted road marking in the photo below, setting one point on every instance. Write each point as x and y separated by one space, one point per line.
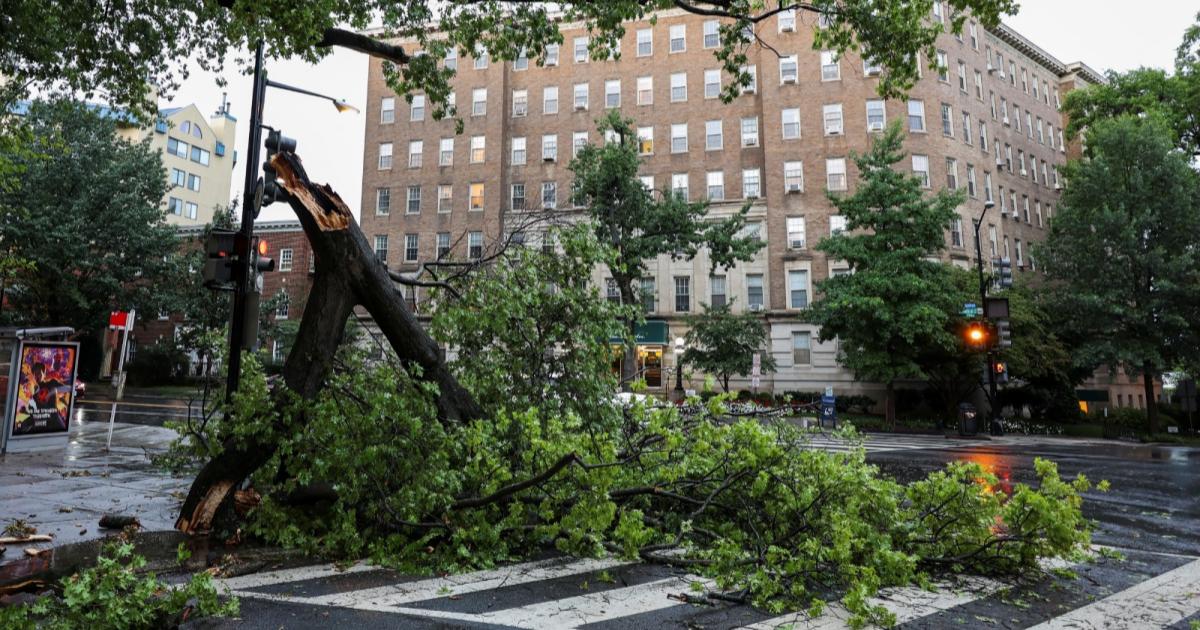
1155 603
572 612
296 574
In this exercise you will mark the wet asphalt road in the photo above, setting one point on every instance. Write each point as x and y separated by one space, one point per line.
135 409
1152 513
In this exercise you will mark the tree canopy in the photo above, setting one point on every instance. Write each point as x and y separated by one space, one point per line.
118 49
898 301
1123 246
723 344
88 218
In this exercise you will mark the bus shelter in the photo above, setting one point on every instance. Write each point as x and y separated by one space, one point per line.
38 370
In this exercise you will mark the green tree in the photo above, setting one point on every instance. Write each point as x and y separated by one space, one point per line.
1123 251
534 314
1175 97
638 225
897 303
117 49
723 344
89 219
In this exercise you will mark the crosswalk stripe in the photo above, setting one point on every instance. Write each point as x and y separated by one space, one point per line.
580 610
297 574
386 598
1155 603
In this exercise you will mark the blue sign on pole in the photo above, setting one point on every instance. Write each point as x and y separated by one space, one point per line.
829 410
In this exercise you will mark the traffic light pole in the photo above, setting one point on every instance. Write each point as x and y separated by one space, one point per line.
993 404
243 243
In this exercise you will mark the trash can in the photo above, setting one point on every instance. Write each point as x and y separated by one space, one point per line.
968 422
828 411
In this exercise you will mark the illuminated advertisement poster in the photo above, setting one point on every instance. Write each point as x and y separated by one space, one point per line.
45 388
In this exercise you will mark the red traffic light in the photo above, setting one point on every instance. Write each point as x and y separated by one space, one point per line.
262 247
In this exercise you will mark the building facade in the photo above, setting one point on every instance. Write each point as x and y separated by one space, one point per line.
990 125
197 153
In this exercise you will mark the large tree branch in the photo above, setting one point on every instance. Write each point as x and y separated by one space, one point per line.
363 44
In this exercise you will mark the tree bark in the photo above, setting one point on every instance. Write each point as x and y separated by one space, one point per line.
347 274
1151 403
890 405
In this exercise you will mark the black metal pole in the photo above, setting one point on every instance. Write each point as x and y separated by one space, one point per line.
993 404
241 268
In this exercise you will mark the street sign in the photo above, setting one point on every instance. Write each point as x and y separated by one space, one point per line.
970 309
754 381
756 370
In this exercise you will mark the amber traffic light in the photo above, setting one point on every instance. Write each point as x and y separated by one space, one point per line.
978 336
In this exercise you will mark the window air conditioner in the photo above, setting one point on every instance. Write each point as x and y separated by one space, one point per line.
580 108
875 126
751 142
789 78
793 188
788 28
547 158
990 68
1000 163
756 308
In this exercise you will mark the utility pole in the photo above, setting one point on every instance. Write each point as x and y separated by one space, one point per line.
993 405
245 236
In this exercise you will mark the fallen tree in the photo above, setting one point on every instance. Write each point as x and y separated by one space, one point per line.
347 274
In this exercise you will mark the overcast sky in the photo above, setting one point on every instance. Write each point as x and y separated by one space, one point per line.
1105 34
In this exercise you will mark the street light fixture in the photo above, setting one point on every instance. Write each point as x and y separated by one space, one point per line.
993 408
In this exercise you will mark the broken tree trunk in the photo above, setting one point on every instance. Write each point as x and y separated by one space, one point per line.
347 274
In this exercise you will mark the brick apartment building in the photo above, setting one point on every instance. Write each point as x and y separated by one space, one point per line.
990 125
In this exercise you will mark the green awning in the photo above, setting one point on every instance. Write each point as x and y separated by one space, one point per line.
652 332
1092 395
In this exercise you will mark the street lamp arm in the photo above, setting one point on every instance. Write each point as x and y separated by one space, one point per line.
340 104
363 44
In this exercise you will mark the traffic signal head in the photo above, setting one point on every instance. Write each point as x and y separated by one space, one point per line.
1000 369
260 261
274 143
1003 334
1004 273
977 336
220 250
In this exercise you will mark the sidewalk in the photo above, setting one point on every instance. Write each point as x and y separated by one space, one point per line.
64 492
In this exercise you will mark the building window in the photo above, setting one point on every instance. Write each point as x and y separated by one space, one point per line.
178 177
552 54
175 206
987 187
410 247
679 185
788 69
550 148
550 100
683 294
832 115
979 85
200 156
787 21
983 142
801 348
645 90
518 151
798 289
791 124
920 166
191 210
381 247
713 135
793 176
645 140
474 245
916 116
712 83
717 296
678 40
581 96
712 34
387 110
383 201
446 152
450 61
443 244
580 46
445 198
478 149
876 115
750 132
177 148
414 200
752 86
476 196
520 103
679 139
716 185
966 127
837 224
481 59
952 173
795 232
947 120
385 155
648 295
835 173
579 140
285 259
678 87
281 311
647 181
754 291
549 195
645 42
612 292
751 184
971 189
612 93
416 149
416 111
479 101
962 76
831 70
943 67
956 234
517 198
